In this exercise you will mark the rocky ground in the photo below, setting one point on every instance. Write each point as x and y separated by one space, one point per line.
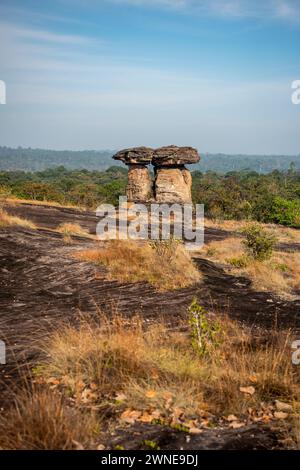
41 284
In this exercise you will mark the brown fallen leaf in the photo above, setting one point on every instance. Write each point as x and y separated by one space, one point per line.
130 416
101 447
195 431
236 424
253 379
280 415
53 381
282 406
150 394
146 417
231 418
266 418
248 390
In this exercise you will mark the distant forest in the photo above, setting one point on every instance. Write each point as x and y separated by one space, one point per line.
28 159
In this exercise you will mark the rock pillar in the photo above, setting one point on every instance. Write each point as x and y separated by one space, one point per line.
139 187
173 181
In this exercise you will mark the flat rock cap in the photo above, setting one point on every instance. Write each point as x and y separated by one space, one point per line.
173 155
135 155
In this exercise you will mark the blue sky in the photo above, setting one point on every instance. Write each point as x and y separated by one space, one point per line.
94 74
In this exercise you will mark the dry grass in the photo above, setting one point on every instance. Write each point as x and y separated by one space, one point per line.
158 369
39 420
15 200
165 265
283 234
280 274
7 220
69 229
149 374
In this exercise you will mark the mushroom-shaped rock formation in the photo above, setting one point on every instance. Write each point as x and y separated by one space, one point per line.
139 187
173 181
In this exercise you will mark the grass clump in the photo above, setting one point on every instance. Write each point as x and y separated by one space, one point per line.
69 229
166 265
7 220
40 419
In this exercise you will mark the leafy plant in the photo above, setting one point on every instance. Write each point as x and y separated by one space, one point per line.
239 262
165 248
258 242
151 444
205 332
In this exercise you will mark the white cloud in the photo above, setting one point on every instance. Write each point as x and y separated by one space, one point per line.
264 9
22 33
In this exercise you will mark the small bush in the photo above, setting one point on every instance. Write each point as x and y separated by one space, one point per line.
239 262
205 332
258 242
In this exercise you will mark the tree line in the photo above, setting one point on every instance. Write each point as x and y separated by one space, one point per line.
272 197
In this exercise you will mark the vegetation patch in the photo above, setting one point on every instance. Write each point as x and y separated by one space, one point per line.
40 419
254 257
69 229
7 220
166 265
154 375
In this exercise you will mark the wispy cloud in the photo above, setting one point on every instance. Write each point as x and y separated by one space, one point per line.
265 9
22 33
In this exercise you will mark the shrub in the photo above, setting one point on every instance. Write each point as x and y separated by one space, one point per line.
258 242
286 212
239 262
205 332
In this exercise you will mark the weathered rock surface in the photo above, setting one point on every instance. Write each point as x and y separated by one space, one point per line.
139 186
173 185
136 155
173 155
